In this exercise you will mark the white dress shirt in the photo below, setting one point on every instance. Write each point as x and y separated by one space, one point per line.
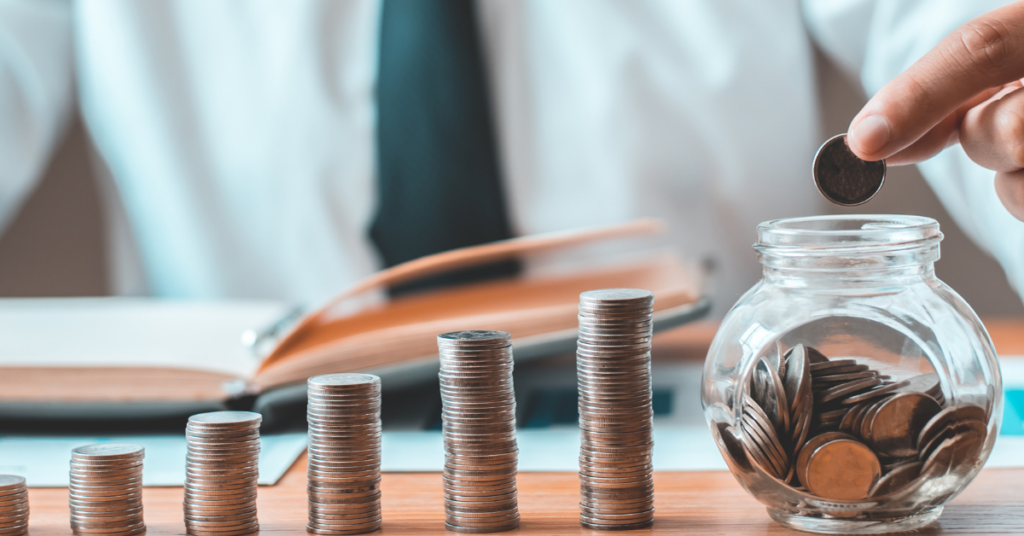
239 134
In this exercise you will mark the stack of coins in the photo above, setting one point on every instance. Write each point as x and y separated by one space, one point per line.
105 494
479 429
613 360
13 505
842 431
221 473
343 475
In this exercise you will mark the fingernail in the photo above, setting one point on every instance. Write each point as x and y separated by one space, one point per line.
870 134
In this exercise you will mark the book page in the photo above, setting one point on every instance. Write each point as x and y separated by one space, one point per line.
132 332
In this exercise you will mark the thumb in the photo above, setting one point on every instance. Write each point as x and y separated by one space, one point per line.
986 52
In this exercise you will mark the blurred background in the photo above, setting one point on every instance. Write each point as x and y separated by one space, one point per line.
56 246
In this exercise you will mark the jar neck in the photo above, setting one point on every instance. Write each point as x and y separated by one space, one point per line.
806 277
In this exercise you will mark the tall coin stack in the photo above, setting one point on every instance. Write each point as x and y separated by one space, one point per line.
221 473
613 360
479 429
343 475
13 505
105 494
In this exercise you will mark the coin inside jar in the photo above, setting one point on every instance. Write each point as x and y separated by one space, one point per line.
897 424
842 177
842 469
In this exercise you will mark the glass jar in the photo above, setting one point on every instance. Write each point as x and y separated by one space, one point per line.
850 390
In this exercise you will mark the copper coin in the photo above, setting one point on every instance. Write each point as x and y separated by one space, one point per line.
805 451
947 416
770 395
896 478
875 393
841 391
953 430
846 425
862 426
815 356
773 443
802 428
767 458
842 469
895 427
797 375
729 441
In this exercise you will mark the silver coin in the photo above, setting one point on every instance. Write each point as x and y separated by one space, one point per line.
347 508
107 452
120 529
475 500
9 494
196 529
203 473
225 419
111 500
313 529
478 489
108 517
644 492
482 511
345 520
342 381
79 470
219 439
86 493
342 498
223 459
248 529
13 512
234 445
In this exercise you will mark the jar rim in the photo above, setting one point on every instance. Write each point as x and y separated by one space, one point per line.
863 233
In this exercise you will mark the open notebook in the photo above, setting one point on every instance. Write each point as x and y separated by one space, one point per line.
133 357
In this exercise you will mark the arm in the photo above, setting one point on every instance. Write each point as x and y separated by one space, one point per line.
882 41
35 92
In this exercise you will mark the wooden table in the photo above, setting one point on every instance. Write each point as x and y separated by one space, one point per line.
687 502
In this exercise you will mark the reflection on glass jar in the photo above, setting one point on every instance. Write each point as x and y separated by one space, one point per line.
850 390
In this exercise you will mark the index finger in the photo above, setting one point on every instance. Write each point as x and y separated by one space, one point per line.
983 53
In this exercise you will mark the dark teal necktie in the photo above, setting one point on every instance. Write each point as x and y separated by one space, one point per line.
439 187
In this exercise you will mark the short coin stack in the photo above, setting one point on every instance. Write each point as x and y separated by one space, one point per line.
343 475
221 473
105 494
842 431
613 359
479 429
13 506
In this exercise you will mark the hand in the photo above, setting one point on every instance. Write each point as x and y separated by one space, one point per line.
967 89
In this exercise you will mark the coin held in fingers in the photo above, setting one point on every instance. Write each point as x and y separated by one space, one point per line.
842 177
